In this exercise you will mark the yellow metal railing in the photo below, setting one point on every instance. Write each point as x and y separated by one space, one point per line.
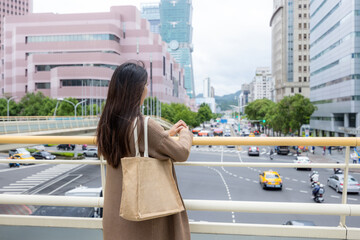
342 210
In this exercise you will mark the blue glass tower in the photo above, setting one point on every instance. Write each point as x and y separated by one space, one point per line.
176 30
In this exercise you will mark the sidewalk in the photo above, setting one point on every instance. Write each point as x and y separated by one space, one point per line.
327 158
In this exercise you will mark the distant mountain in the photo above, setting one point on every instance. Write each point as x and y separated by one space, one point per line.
225 101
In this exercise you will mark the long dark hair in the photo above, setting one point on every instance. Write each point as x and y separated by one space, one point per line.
122 107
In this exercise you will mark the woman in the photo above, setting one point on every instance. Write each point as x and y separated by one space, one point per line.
115 140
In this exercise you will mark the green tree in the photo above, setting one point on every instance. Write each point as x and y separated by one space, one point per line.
204 113
67 109
300 111
14 108
36 104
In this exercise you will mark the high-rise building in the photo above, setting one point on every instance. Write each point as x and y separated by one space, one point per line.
10 8
207 88
151 12
290 47
335 68
176 30
49 53
244 97
261 85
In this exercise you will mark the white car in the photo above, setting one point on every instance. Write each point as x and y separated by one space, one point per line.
302 160
336 181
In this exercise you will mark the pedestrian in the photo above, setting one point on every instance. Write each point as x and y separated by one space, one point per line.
324 149
329 148
313 149
115 139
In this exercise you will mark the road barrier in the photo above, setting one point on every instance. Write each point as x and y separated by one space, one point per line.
342 210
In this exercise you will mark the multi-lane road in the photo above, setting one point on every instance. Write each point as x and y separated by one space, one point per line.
212 183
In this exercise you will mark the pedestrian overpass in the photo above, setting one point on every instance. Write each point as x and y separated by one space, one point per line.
47 227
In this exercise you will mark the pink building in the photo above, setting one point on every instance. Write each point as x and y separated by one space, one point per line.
74 55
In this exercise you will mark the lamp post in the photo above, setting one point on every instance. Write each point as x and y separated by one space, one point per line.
8 101
61 99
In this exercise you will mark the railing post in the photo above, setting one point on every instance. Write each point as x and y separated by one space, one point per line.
345 186
102 172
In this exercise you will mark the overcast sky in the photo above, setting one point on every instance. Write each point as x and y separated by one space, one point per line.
231 37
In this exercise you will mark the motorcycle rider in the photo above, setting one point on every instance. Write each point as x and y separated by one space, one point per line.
314 177
271 154
316 189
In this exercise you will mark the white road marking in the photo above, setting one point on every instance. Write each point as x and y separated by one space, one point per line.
290 189
247 179
287 178
295 180
303 181
353 199
302 191
334 196
255 181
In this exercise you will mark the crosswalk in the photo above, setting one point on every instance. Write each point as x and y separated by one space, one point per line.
29 182
264 151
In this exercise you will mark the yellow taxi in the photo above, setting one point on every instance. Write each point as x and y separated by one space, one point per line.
270 179
23 156
252 134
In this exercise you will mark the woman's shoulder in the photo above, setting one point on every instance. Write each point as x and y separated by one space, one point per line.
154 126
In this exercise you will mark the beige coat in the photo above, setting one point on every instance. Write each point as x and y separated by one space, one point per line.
173 227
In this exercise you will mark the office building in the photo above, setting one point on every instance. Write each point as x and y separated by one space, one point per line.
9 8
208 95
261 85
74 55
151 12
335 68
207 88
290 47
176 29
244 97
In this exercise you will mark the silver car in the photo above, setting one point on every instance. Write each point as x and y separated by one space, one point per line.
336 181
91 152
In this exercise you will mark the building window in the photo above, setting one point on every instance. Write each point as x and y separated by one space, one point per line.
299 36
171 72
299 79
305 6
299 25
299 89
305 58
299 47
26 72
299 15
304 79
305 36
305 68
299 57
44 85
292 90
305 15
299 68
75 37
26 89
164 67
305 47
299 5
305 25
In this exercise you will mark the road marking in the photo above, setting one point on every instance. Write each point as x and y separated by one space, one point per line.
287 178
17 187
303 181
290 189
302 191
295 180
334 196
353 199
255 181
247 179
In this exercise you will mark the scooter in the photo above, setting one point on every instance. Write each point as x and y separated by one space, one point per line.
14 165
319 196
314 178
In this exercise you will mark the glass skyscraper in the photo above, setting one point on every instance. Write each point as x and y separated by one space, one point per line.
151 12
176 30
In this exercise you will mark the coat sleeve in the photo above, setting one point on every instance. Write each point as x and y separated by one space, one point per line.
162 146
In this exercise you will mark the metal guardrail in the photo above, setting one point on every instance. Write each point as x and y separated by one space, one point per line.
342 210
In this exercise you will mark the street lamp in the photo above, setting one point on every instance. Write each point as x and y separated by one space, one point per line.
61 99
8 101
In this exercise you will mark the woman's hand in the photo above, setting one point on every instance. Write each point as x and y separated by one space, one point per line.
177 127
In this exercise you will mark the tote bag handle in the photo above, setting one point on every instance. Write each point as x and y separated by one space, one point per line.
146 151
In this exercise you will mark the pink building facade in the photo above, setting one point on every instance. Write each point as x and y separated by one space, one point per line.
74 55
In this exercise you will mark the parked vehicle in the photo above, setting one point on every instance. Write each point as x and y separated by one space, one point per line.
253 151
196 130
218 132
43 155
336 181
91 152
66 147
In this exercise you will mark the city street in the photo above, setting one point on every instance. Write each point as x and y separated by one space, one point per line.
211 183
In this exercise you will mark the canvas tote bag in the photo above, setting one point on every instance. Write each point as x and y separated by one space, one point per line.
149 189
